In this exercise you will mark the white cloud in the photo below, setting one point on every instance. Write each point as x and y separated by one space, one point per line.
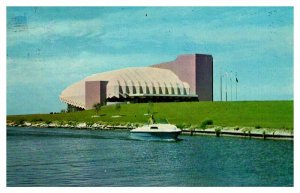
30 71
121 28
218 28
36 31
210 33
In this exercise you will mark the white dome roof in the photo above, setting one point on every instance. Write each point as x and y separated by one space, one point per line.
133 81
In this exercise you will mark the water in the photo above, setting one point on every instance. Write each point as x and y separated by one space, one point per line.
65 157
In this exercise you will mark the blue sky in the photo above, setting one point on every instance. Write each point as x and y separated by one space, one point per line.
49 48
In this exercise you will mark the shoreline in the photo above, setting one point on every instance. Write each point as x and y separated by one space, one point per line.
240 135
213 130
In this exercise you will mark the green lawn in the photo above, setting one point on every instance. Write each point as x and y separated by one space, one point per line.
270 114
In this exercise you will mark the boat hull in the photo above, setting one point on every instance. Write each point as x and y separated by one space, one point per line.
155 135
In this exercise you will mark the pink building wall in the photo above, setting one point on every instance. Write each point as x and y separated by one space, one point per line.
196 70
95 92
184 67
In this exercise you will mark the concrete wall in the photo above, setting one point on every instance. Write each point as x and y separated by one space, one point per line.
196 70
95 92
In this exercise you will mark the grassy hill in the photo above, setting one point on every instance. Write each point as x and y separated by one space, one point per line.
269 114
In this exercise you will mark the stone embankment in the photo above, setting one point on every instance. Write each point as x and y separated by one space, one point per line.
248 132
75 125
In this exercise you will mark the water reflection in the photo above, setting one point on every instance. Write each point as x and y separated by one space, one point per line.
65 157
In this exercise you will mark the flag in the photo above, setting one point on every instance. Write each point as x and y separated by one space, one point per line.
236 80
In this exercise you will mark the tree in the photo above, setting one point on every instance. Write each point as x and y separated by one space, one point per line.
150 108
97 107
118 107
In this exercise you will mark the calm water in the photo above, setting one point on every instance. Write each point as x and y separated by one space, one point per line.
64 157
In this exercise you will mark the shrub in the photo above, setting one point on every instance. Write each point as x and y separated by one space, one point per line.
118 107
264 134
37 119
150 108
89 124
180 125
249 133
187 125
122 124
113 124
71 123
205 123
218 131
246 130
48 122
193 127
19 121
97 107
257 126
183 125
100 122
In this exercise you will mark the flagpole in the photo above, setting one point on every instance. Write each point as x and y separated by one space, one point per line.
221 84
226 86
231 85
236 82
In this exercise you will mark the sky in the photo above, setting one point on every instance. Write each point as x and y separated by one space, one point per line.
49 48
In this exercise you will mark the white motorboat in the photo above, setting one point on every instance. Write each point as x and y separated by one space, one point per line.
156 131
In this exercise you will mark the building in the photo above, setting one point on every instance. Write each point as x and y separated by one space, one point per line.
188 78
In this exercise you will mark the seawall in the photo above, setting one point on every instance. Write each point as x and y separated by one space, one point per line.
245 132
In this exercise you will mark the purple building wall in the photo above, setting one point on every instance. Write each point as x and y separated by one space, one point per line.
95 92
204 77
196 70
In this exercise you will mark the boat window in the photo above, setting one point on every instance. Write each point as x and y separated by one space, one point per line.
153 127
